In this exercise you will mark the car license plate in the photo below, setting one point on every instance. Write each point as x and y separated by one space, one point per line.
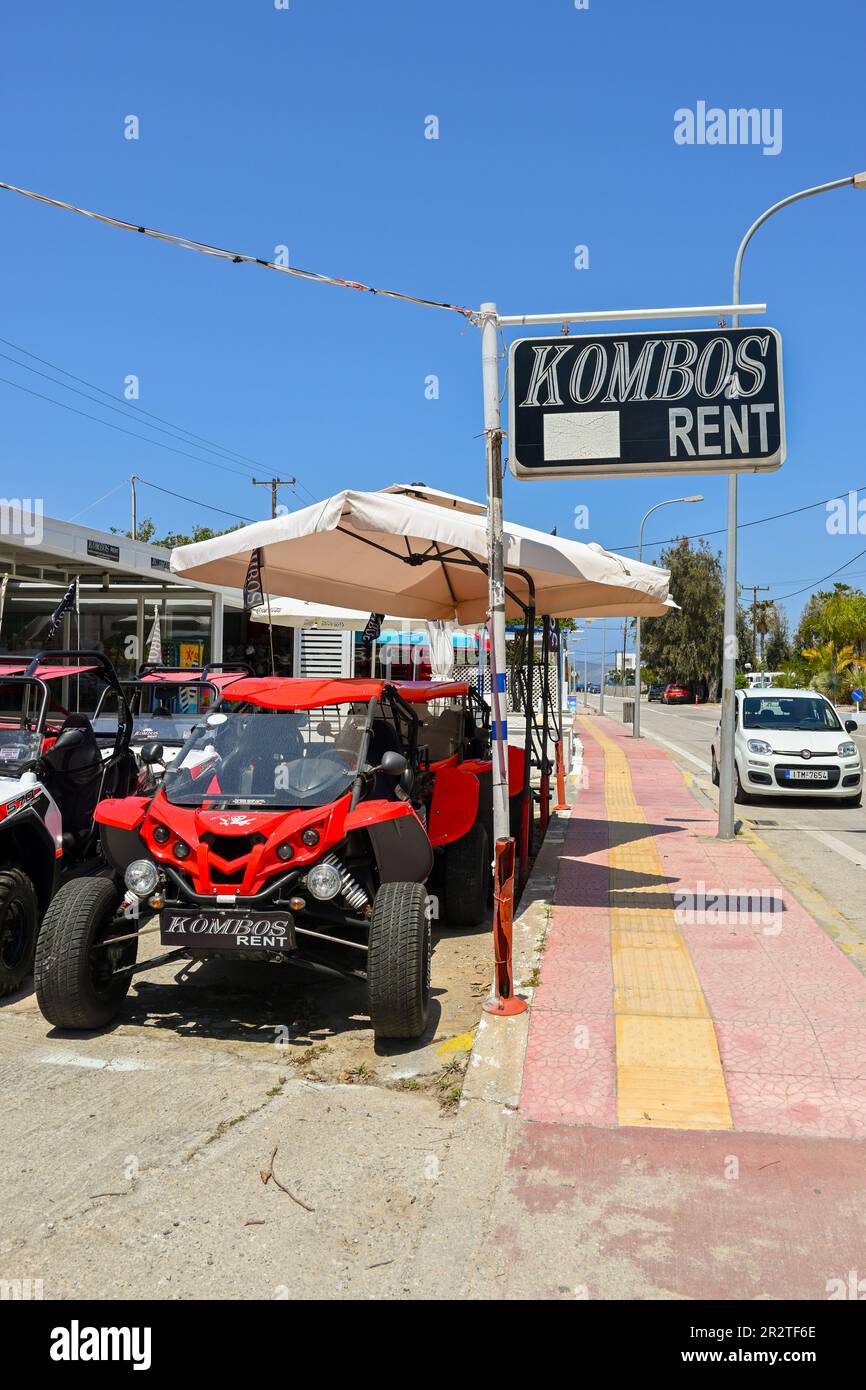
806 774
226 929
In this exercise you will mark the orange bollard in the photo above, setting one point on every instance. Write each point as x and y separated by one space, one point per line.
505 1002
561 804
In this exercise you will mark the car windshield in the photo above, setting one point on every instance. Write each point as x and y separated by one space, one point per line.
248 756
803 713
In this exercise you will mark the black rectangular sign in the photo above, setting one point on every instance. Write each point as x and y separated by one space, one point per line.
226 929
631 404
102 550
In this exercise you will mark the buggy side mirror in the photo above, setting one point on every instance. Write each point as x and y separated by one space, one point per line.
151 753
324 728
394 764
851 726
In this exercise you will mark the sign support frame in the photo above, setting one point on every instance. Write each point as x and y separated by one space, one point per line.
490 321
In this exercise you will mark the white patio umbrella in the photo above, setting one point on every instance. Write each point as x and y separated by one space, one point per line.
395 552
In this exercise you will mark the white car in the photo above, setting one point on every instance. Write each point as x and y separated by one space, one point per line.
791 742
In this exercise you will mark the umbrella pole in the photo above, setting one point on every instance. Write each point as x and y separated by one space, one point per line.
495 566
544 790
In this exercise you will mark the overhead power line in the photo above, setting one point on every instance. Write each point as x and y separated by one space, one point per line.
244 471
196 501
236 257
130 405
109 424
759 521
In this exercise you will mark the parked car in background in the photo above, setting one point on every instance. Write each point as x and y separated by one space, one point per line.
656 691
677 693
791 742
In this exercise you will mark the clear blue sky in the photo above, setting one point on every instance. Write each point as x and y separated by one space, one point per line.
305 127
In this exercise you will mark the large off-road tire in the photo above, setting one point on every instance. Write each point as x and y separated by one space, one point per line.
398 961
19 923
467 879
74 986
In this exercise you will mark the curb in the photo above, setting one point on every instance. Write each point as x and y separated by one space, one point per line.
494 1071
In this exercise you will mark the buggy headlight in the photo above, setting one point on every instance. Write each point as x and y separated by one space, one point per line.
759 745
846 750
323 881
141 877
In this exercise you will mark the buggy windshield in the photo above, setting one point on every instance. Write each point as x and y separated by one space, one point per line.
165 711
806 713
269 758
20 720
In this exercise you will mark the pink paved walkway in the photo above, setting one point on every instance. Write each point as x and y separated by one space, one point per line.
788 1008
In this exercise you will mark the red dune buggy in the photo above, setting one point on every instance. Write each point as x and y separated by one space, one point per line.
301 816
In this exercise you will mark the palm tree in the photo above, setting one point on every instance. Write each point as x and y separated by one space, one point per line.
828 665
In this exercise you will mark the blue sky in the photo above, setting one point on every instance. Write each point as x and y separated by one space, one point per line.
305 127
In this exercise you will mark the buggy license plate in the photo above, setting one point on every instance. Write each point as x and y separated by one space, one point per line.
806 774
227 930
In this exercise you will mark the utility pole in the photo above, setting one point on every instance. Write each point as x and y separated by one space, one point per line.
133 480
273 484
756 589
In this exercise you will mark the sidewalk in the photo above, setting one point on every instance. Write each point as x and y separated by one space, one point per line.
687 1117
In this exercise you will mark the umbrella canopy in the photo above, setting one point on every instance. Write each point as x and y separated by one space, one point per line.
389 552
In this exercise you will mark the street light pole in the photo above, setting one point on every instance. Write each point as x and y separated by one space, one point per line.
635 726
729 651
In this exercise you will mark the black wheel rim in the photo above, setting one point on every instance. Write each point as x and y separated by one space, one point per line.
15 932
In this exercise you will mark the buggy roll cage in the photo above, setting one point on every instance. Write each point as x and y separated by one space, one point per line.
94 662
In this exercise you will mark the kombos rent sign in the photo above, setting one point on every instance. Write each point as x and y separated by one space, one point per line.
642 403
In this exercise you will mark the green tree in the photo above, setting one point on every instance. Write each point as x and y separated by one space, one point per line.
833 615
777 640
833 669
687 645
146 531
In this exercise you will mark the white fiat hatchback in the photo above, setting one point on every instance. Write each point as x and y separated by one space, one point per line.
792 742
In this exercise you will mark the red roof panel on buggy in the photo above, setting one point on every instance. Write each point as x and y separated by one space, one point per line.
218 679
299 692
47 673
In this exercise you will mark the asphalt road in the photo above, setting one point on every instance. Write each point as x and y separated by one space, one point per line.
821 842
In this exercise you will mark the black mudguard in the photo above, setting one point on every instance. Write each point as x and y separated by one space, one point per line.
402 850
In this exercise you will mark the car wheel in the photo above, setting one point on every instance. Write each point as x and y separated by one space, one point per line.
19 923
467 879
398 961
76 986
715 768
740 794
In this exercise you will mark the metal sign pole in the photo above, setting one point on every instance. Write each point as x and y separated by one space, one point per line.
729 672
495 563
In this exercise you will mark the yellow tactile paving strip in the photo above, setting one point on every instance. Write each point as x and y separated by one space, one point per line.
668 1069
